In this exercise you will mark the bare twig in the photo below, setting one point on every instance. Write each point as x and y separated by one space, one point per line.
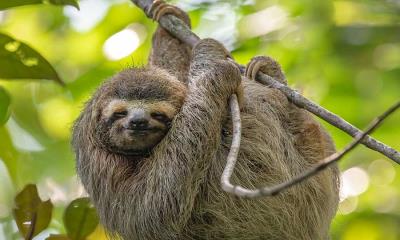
235 146
271 191
179 29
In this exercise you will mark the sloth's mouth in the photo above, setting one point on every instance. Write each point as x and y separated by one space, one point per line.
142 131
135 155
139 141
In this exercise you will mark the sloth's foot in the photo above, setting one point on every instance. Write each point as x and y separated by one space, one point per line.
266 65
160 8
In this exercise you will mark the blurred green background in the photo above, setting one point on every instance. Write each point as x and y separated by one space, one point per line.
344 55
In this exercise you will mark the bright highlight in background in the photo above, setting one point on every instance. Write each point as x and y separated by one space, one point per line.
348 205
354 181
121 44
381 172
255 24
90 14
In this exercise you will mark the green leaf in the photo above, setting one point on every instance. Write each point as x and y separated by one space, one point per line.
4 4
80 219
5 101
31 213
73 3
19 61
57 237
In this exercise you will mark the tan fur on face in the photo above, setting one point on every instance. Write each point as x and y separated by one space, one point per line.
118 105
162 107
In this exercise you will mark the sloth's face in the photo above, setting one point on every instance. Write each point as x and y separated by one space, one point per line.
134 127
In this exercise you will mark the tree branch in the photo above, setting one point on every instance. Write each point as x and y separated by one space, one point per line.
179 30
330 117
234 150
271 191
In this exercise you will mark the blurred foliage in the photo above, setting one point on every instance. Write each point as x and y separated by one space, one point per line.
80 219
19 61
32 216
4 105
345 55
16 3
31 213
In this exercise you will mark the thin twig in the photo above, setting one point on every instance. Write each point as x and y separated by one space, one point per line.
179 30
271 191
235 146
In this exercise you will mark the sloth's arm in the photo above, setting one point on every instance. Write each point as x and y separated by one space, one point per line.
181 158
168 52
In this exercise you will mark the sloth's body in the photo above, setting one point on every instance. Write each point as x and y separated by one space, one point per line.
172 189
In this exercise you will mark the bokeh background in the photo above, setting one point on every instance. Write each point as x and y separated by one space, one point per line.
344 55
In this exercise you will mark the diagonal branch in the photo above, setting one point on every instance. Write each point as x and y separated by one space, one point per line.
330 117
271 191
178 29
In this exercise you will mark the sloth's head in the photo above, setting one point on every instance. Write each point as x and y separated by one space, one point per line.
134 110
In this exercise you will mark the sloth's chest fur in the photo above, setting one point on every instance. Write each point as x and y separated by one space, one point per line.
267 156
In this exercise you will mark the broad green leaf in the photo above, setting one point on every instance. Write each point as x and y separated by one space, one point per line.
58 237
80 219
4 4
19 61
5 101
31 214
65 2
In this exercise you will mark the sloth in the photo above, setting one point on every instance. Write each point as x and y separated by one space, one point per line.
151 145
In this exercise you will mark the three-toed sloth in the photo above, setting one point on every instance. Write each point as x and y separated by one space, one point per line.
151 145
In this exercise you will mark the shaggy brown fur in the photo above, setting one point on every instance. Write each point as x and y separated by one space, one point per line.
175 192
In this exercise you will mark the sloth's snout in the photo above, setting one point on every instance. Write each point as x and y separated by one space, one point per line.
138 123
138 119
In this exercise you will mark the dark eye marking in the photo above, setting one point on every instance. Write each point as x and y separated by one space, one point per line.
160 116
120 114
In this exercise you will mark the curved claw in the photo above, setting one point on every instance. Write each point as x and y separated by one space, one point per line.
160 8
153 7
164 10
267 66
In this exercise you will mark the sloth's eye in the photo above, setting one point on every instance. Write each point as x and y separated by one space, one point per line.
160 116
120 114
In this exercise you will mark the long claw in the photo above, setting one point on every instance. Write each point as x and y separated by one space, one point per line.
249 69
265 65
154 7
162 10
256 67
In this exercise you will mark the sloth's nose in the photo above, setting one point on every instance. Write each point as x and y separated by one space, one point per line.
139 120
138 123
